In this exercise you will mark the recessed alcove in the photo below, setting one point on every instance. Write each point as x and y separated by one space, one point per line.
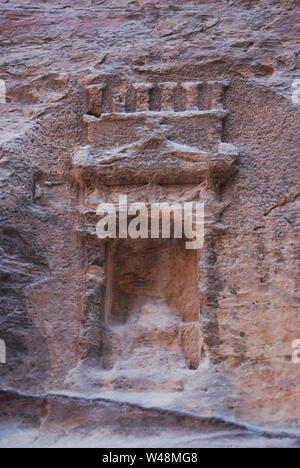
152 295
159 270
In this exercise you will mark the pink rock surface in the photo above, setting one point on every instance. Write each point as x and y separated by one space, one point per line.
160 101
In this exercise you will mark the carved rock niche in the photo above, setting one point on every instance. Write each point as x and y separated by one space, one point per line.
148 310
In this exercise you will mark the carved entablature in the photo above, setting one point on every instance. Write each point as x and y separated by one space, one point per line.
154 159
155 133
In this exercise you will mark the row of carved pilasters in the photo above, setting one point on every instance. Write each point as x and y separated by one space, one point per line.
165 97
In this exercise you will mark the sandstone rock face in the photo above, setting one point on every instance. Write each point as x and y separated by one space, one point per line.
141 342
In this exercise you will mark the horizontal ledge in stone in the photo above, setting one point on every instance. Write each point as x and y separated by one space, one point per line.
219 113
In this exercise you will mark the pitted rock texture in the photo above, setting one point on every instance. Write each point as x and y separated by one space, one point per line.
162 101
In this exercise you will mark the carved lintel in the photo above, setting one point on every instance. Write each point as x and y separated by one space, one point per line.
154 159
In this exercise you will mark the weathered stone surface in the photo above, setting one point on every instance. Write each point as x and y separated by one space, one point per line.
160 101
